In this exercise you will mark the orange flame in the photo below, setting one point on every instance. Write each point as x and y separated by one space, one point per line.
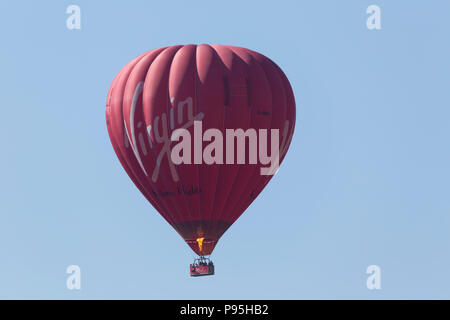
200 243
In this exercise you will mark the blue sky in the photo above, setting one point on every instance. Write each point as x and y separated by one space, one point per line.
366 180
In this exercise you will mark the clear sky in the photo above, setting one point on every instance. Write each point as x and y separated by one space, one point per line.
366 180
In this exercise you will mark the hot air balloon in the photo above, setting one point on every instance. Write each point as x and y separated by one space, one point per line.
200 130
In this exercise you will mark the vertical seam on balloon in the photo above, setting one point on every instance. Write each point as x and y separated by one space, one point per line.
284 82
208 226
179 210
221 215
212 220
159 206
148 178
237 207
114 140
226 86
288 90
163 205
194 70
187 209
228 215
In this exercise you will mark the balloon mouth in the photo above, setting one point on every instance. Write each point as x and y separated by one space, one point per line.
202 235
202 246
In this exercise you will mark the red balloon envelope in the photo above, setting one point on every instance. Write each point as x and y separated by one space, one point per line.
188 101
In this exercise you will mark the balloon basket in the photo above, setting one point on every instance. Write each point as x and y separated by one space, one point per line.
201 266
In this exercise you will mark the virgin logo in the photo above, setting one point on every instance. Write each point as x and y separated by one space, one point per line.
212 153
